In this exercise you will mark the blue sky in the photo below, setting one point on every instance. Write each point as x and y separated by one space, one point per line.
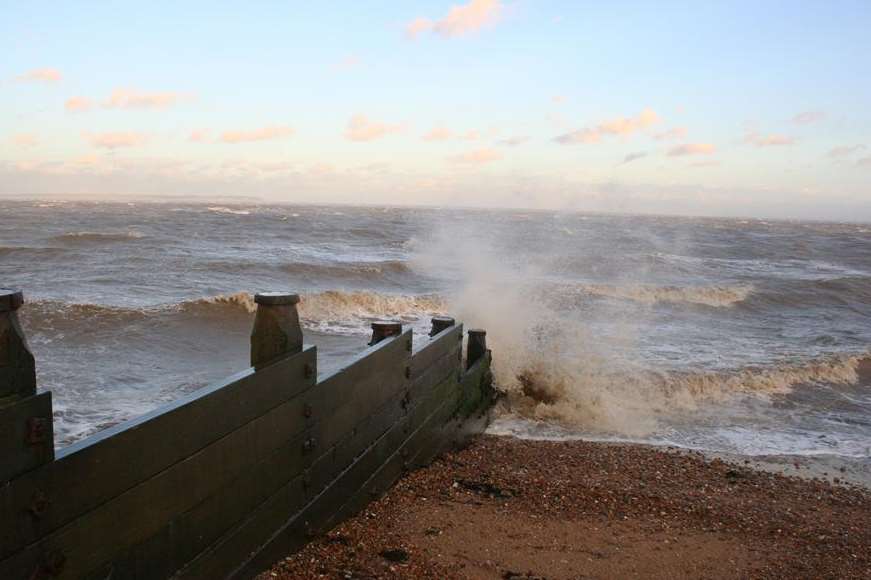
731 108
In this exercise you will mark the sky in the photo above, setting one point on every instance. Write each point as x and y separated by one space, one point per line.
699 108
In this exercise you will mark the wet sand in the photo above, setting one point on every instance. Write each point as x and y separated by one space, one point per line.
508 508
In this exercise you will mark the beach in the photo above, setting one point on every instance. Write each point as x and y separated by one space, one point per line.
511 508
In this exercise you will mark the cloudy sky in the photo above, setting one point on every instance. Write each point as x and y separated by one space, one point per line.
727 108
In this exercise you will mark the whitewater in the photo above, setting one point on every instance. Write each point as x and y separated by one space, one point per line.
735 336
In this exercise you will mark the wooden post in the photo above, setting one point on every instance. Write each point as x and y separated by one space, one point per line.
277 331
26 429
440 323
384 329
477 346
17 367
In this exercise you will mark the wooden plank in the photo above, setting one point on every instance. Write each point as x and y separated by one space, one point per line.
26 439
435 348
112 463
274 518
181 539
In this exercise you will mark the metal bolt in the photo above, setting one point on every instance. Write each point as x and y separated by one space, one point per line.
307 410
37 429
39 504
308 445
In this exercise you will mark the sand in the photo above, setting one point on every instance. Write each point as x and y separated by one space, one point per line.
508 508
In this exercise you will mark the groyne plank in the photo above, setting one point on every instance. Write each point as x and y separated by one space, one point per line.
212 517
329 477
435 348
24 443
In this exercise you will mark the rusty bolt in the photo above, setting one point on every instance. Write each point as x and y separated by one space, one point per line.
39 504
37 429
308 445
51 566
307 410
308 371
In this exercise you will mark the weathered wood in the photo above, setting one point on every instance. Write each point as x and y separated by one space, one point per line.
26 438
276 331
440 324
435 348
337 445
328 473
101 467
477 346
17 366
223 481
384 329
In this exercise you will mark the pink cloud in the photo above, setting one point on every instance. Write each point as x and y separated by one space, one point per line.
808 117
263 134
558 99
619 126
199 135
25 139
438 134
77 104
460 20
471 135
477 157
116 140
771 140
132 99
692 149
361 128
44 75
672 134
864 162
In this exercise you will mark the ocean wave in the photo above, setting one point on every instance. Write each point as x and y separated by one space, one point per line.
98 236
347 270
330 311
595 396
714 296
228 210
335 308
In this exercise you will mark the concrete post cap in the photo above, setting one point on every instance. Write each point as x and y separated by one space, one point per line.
276 298
10 299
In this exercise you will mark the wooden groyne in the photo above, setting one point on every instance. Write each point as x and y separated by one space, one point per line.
226 480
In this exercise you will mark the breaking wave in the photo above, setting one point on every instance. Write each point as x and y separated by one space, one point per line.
331 311
228 210
594 396
714 296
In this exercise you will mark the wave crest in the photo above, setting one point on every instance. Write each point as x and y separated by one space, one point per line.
630 400
714 296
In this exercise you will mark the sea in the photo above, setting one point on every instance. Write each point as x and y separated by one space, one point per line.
740 336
